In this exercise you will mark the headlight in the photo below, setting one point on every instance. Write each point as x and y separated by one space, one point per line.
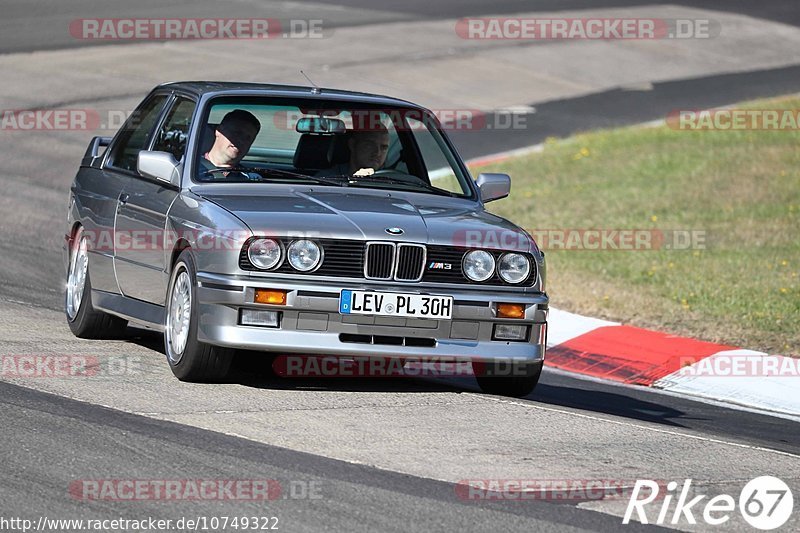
479 265
264 253
514 268
304 255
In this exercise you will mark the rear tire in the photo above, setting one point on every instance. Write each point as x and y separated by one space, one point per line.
188 358
495 380
84 321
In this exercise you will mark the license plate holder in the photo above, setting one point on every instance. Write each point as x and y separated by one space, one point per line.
396 304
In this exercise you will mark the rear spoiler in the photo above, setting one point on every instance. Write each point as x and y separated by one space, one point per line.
93 154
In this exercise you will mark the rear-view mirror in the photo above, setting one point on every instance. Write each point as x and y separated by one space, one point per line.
320 125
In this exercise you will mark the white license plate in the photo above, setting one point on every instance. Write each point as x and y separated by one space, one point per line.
395 304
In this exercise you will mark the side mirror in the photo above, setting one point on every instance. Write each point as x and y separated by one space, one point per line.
493 186
161 166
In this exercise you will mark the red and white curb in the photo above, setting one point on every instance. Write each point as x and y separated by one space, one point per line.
704 370
698 369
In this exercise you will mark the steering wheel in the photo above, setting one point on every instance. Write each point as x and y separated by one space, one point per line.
217 172
397 175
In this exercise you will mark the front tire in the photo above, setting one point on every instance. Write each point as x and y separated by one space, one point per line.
188 358
522 380
84 321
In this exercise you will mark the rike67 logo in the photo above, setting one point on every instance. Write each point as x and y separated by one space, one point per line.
765 503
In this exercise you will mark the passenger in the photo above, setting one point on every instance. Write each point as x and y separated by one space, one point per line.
368 150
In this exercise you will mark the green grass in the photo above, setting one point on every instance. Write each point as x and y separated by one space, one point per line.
742 188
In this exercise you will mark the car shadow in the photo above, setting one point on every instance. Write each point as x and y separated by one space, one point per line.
556 390
594 397
146 338
624 405
254 369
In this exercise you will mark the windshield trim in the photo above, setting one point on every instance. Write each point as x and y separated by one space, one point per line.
208 101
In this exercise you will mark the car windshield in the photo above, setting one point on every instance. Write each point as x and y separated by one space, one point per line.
333 143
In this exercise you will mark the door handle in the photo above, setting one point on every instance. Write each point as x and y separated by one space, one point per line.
123 198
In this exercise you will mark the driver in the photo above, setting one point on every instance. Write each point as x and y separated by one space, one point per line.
232 140
368 150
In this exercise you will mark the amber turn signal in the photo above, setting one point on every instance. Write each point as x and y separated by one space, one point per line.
269 296
510 310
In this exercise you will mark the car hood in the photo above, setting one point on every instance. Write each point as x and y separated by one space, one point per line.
366 215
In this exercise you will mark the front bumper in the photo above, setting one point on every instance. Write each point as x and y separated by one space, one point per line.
311 322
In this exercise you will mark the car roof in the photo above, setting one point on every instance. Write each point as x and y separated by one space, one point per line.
221 88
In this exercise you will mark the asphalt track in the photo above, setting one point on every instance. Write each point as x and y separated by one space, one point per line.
29 27
42 25
352 497
385 454
621 106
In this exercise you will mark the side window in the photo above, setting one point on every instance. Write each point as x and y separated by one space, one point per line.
136 135
434 153
394 156
175 131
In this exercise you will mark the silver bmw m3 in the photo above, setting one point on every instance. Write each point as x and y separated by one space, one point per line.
302 221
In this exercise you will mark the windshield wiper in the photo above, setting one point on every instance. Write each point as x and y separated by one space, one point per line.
337 180
289 173
355 180
276 172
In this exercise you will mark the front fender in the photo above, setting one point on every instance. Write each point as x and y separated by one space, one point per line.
214 234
